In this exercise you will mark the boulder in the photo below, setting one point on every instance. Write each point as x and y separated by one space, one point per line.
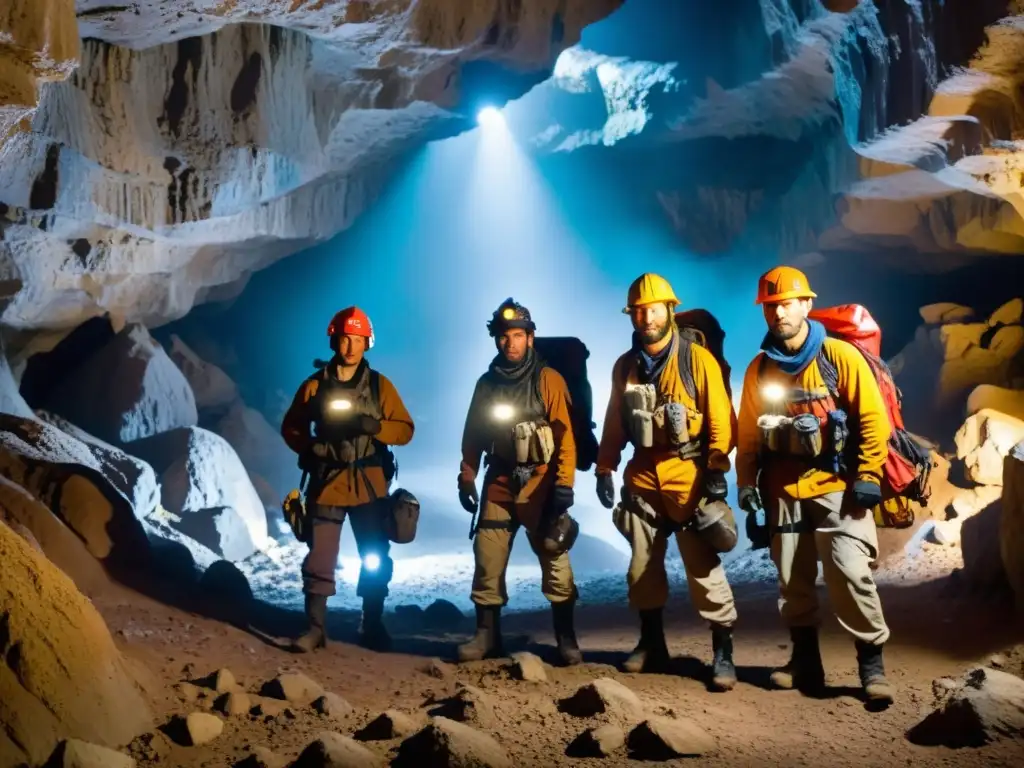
1010 313
1001 399
332 750
58 542
602 741
1011 524
214 390
206 487
261 757
11 400
80 483
64 678
448 744
74 753
388 725
468 705
983 441
528 667
985 706
260 447
663 738
970 501
332 705
945 312
233 703
443 615
293 687
202 728
127 390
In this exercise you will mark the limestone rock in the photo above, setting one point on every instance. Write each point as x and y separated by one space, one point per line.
203 727
293 687
945 312
979 542
213 389
332 750
391 724
68 680
223 681
662 738
1001 399
234 703
602 695
261 757
129 389
602 741
259 446
437 669
1011 524
206 488
1011 313
987 705
80 754
332 705
970 501
984 440
448 744
443 614
527 666
947 532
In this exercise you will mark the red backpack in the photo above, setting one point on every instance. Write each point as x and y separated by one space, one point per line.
908 463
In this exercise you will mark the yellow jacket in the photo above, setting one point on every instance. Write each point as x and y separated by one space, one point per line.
859 396
347 489
709 415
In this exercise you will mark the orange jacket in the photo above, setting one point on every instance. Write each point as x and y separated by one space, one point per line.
555 394
347 489
659 468
867 418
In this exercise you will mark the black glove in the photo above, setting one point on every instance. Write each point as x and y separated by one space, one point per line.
366 425
562 498
606 490
867 494
467 497
757 533
748 499
715 486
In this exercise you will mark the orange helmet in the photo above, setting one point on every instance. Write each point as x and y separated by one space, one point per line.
782 283
351 321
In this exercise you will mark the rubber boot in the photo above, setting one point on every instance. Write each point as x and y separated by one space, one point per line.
486 644
651 653
877 689
565 632
723 671
373 635
804 670
316 636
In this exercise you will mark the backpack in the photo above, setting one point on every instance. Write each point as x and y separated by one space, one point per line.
908 464
698 326
568 355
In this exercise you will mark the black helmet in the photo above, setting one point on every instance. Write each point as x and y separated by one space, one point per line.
560 535
510 314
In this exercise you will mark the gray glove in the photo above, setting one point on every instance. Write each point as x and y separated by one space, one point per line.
606 490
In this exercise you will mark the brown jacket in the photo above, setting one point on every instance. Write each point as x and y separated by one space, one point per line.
346 488
555 394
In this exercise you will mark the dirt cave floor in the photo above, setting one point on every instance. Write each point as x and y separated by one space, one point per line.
936 633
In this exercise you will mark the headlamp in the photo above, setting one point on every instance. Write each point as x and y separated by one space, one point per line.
508 313
502 412
339 404
371 562
773 393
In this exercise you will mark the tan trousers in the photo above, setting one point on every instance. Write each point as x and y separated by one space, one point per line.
491 549
710 592
846 540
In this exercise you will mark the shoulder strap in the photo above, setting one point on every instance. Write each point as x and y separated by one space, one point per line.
684 356
375 387
828 371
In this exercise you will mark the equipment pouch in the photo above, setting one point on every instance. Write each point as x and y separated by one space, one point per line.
404 517
641 397
294 509
838 438
774 431
641 428
523 436
675 424
805 437
543 445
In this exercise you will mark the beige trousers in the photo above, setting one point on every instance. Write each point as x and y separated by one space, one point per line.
710 592
846 541
491 549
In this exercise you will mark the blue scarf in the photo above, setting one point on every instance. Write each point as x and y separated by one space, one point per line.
649 367
794 363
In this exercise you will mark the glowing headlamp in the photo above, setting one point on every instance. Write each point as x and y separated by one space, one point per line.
339 404
508 313
371 562
773 393
502 412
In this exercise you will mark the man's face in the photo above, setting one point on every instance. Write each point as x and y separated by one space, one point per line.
513 344
652 322
352 348
786 318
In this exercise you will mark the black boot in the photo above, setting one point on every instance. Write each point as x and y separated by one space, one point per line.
316 636
872 674
486 644
723 671
651 653
565 632
372 632
804 670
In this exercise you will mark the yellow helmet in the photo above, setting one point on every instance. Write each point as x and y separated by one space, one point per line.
783 283
649 288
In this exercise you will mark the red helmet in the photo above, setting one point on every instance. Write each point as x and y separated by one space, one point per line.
351 321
